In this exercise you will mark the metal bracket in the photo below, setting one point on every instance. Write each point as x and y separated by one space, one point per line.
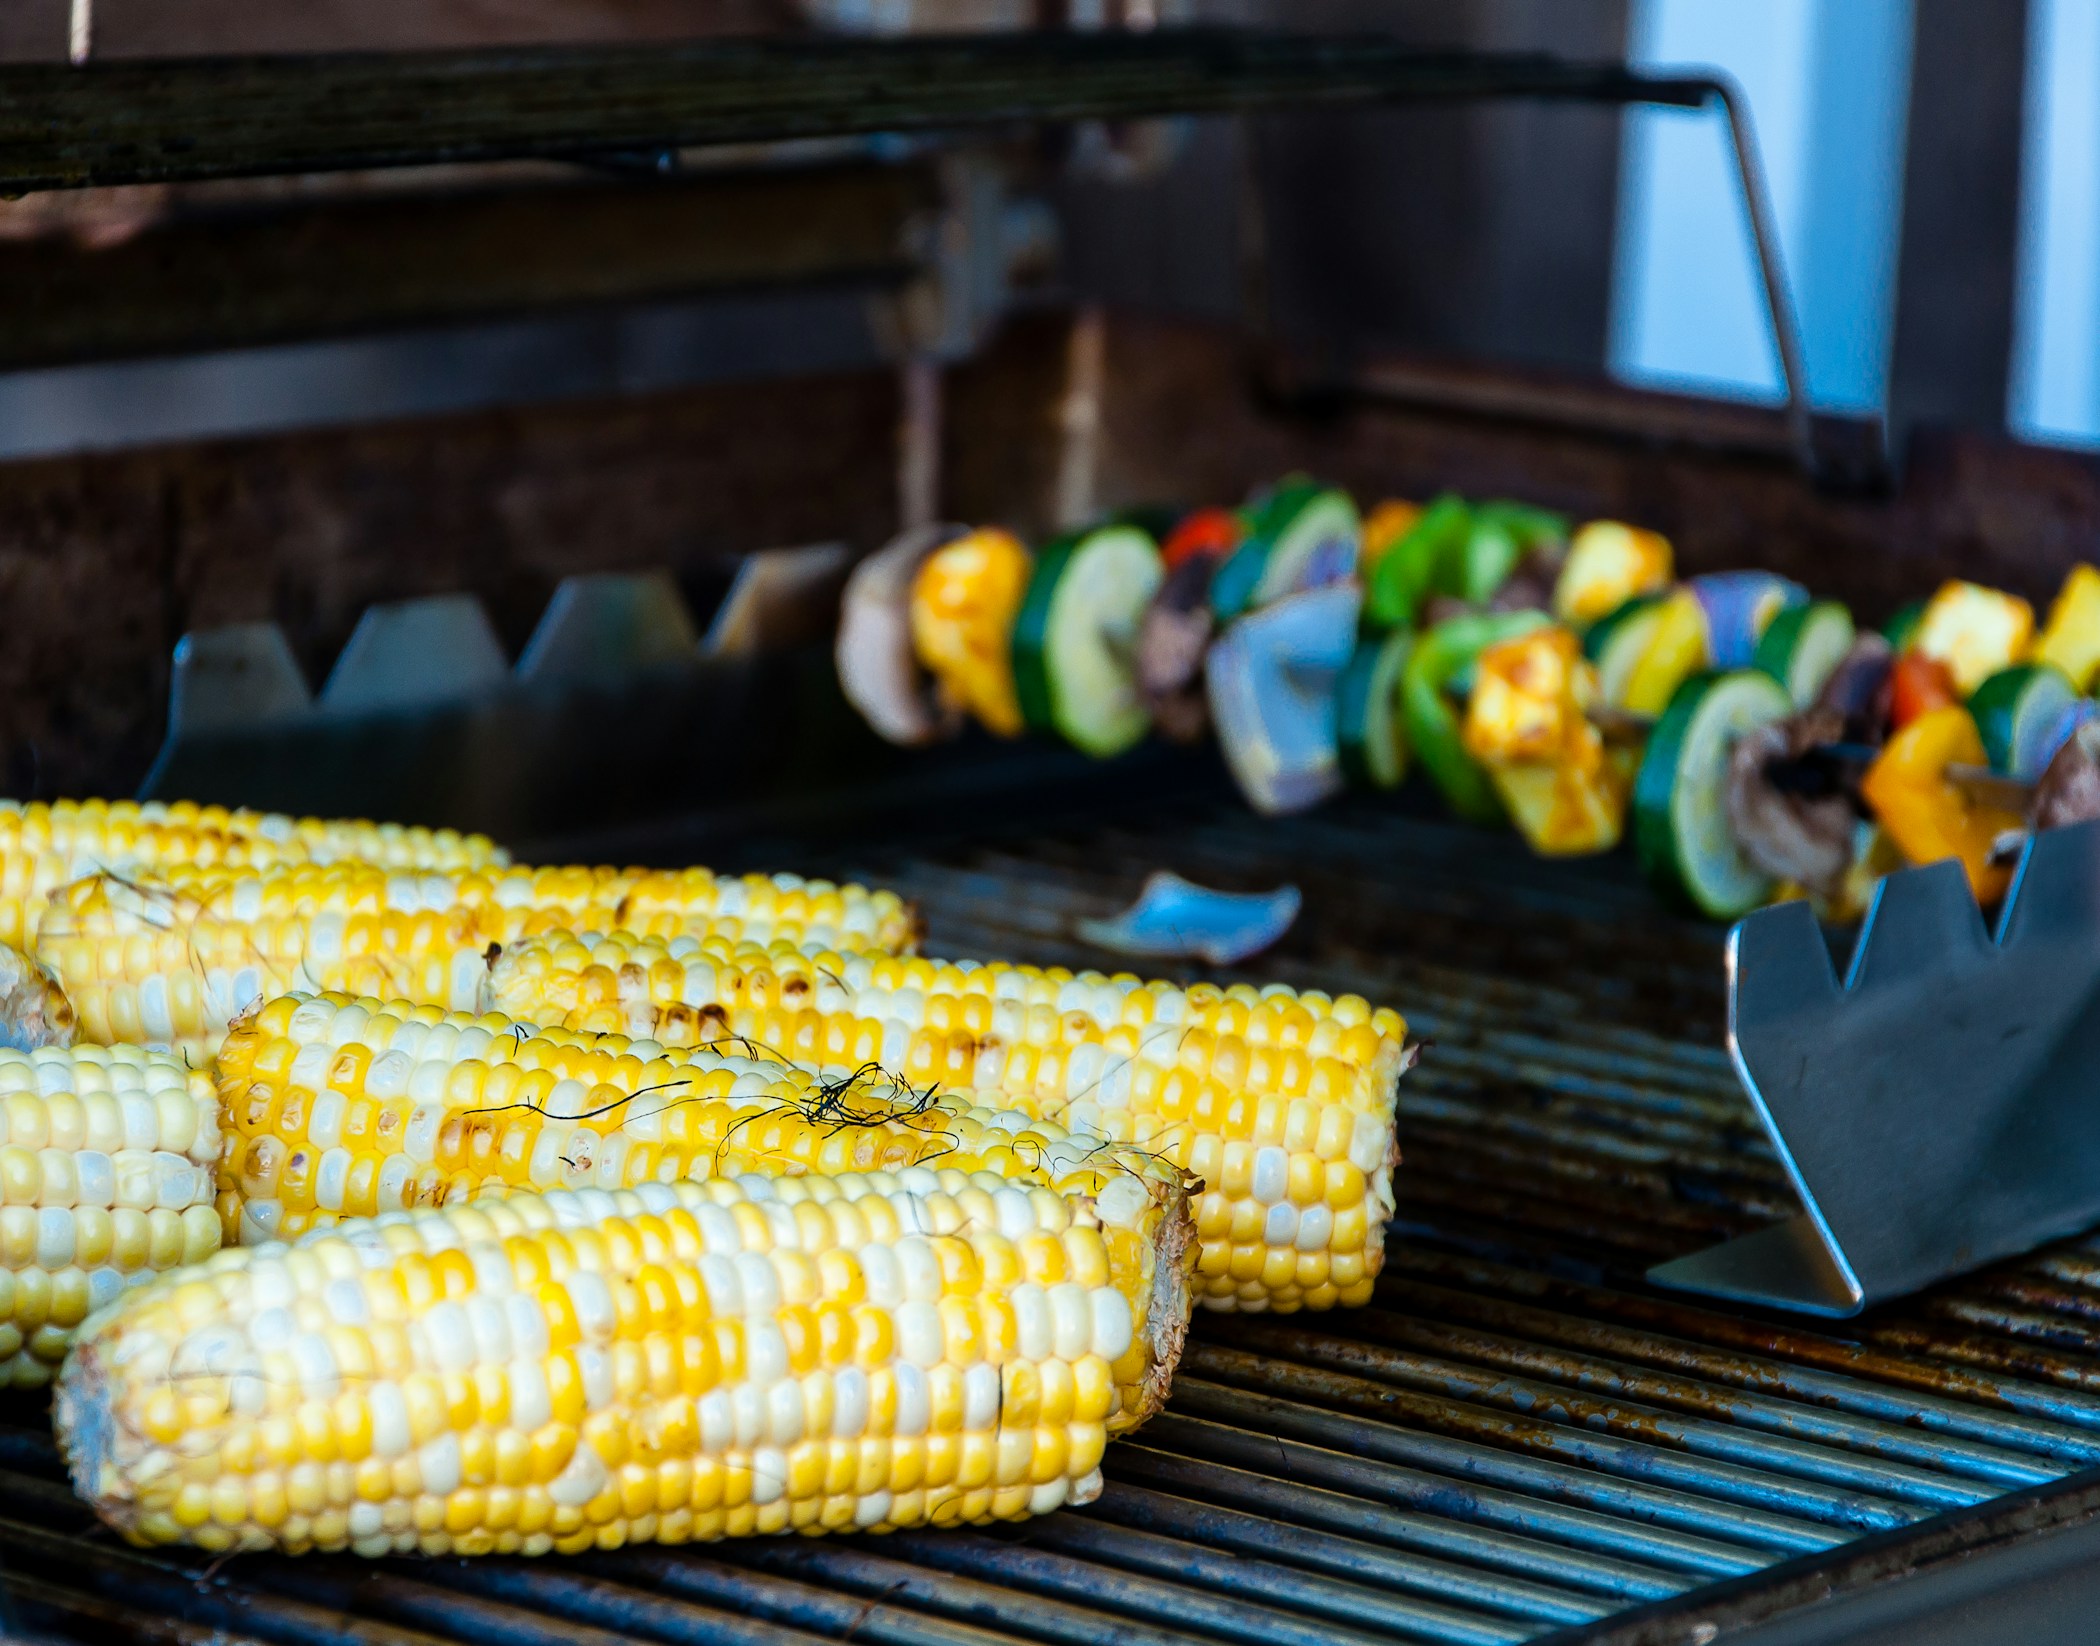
239 675
603 625
410 654
607 720
1935 1112
1623 88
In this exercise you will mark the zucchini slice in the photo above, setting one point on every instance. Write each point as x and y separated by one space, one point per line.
1681 829
1075 642
1367 706
1304 537
1618 642
2017 711
1901 629
1802 647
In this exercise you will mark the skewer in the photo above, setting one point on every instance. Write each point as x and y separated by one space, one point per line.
1623 728
1991 788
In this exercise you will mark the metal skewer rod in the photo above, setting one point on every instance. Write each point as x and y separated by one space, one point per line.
1626 728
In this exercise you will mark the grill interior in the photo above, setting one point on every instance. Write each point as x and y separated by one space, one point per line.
1518 1441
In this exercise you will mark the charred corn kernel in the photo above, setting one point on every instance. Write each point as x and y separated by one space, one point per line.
171 959
106 1163
606 1112
45 845
1257 1092
176 1419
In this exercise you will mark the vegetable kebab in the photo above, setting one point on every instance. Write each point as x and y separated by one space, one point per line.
1753 741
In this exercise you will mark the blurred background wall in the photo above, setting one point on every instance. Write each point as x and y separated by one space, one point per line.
1935 165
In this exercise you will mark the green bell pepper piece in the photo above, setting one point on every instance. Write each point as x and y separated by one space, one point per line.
1502 534
1441 658
1408 571
1901 629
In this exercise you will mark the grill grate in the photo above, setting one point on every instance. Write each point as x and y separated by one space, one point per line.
1518 1440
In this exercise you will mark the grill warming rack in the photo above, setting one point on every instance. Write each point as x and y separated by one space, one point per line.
1518 1441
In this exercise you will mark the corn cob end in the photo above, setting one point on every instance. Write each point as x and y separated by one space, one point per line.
34 1010
1163 1328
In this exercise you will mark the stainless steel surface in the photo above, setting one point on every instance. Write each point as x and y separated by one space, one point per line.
1934 1113
609 625
409 654
1519 1440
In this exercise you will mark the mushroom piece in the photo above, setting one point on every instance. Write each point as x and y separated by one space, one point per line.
2069 791
1442 608
1530 584
1173 640
1789 812
878 669
1857 692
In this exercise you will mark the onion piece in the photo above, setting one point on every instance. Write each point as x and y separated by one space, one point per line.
1737 606
1271 678
1175 918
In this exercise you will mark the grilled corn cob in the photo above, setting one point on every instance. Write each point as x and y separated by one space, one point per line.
335 1107
106 1157
1283 1103
171 962
45 845
585 1369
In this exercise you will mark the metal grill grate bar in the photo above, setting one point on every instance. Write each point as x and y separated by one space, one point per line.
1528 1499
1726 1443
1243 1533
1525 1576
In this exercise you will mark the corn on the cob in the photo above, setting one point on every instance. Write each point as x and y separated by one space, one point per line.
106 1157
335 1107
585 1369
1283 1103
45 845
171 961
